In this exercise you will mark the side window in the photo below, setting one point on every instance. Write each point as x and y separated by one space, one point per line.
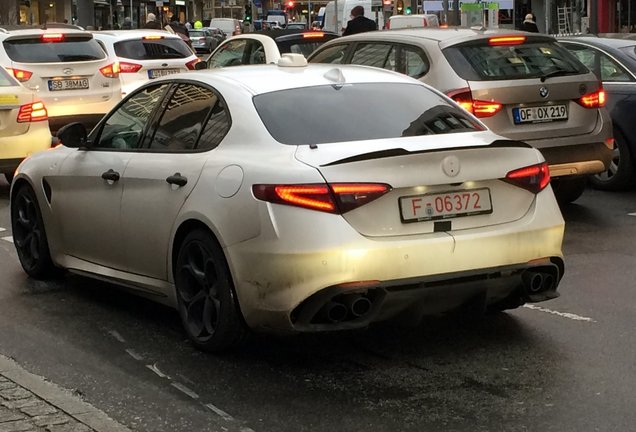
334 54
124 128
217 126
373 55
415 63
612 71
587 56
256 53
230 55
183 118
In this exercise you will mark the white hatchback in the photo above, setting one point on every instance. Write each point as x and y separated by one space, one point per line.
146 54
67 69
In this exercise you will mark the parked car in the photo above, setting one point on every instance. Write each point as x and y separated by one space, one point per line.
524 86
209 192
266 47
230 26
146 54
66 68
614 62
412 21
24 124
296 26
217 34
203 41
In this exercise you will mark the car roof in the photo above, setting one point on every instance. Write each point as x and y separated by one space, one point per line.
602 42
279 33
39 31
134 34
259 79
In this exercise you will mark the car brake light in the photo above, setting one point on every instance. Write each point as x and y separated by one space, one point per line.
533 178
593 100
313 35
125 67
20 75
337 198
32 112
479 108
152 37
506 40
111 71
52 37
191 63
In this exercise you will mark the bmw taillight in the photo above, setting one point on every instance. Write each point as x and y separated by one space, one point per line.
20 75
32 112
337 198
533 178
592 100
191 63
111 71
126 67
480 108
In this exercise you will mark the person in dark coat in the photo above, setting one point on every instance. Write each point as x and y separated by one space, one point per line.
359 23
152 23
529 25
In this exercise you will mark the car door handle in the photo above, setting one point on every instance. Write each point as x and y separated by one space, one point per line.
177 179
110 175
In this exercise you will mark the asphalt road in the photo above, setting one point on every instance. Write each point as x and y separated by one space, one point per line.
568 366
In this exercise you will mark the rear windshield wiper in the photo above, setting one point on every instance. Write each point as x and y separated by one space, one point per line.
554 73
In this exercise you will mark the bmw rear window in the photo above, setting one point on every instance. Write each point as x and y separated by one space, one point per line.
66 49
483 60
357 112
152 49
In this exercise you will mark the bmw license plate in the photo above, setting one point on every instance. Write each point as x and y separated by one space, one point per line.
446 205
156 73
539 114
68 84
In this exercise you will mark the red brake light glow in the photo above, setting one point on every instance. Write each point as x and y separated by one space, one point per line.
20 75
506 40
32 112
125 67
593 100
191 63
111 71
533 178
313 35
52 37
152 37
337 198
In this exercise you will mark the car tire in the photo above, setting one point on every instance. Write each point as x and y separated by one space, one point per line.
569 189
206 299
29 235
622 171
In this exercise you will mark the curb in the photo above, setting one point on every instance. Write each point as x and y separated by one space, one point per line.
61 398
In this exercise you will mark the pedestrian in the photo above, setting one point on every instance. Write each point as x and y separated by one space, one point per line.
198 24
151 22
359 23
529 25
127 25
188 25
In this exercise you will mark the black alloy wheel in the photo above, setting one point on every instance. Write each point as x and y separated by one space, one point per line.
29 235
206 300
622 170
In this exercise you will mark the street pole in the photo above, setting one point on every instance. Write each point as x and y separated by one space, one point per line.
335 15
308 14
131 13
593 16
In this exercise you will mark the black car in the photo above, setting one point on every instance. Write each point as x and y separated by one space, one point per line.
614 62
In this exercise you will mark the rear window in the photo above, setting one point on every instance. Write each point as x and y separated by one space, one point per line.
479 61
152 49
69 49
358 112
194 33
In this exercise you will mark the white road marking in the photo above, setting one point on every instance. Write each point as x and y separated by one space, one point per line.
117 336
246 429
156 370
631 214
185 390
134 355
561 314
220 412
2 229
9 239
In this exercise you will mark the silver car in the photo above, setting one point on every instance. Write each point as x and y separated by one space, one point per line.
524 86
227 195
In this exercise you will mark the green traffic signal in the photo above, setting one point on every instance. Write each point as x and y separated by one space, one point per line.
407 11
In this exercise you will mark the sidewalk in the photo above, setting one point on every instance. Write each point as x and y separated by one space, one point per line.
29 403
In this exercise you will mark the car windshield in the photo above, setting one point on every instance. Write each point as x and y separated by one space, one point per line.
481 61
152 49
358 112
68 49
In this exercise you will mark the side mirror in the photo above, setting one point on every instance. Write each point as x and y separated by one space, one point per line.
201 65
72 135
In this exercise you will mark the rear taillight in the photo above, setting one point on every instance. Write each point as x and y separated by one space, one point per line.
32 112
592 100
337 198
191 63
310 35
506 40
20 75
479 108
533 178
52 37
111 71
125 67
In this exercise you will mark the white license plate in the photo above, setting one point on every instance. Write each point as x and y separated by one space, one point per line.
539 114
68 84
445 205
156 73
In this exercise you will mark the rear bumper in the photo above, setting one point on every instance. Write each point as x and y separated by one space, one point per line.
15 148
274 273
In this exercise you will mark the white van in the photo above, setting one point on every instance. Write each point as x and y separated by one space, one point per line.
412 21
344 14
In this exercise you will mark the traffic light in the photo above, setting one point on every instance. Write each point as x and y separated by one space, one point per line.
407 11
248 13
290 4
